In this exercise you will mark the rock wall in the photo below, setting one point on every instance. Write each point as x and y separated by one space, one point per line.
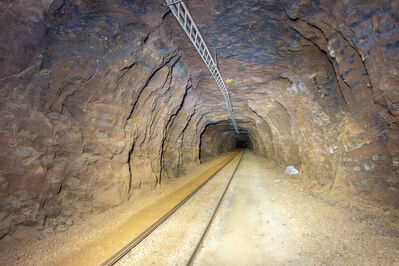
318 79
359 39
88 119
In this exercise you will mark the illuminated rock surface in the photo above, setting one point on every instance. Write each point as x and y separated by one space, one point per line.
102 98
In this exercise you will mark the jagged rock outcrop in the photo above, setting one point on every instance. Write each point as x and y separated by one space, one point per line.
86 122
309 73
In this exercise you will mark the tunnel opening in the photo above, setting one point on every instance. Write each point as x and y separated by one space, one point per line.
220 137
217 139
243 142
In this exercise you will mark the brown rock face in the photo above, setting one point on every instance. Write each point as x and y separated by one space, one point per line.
99 98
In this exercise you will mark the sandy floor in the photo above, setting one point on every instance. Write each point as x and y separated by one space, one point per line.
268 219
174 241
57 248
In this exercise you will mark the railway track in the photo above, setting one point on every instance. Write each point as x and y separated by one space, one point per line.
125 250
198 246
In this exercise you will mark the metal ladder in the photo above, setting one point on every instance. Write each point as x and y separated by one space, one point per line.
182 15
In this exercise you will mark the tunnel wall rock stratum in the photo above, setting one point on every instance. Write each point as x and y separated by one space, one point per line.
358 39
91 118
323 80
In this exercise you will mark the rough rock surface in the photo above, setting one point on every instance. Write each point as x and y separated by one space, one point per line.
99 98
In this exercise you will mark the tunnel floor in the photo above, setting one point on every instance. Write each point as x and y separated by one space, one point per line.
266 219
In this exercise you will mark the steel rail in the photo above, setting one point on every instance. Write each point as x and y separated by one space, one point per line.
185 19
121 253
206 231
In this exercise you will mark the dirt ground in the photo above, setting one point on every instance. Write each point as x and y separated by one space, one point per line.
173 241
267 218
57 247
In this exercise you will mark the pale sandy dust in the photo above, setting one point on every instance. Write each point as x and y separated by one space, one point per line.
58 245
267 220
177 237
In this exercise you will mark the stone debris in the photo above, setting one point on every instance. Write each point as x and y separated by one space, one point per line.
291 170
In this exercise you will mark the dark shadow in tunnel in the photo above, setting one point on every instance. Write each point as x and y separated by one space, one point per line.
218 138
243 142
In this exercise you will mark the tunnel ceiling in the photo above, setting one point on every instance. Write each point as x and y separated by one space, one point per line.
300 67
256 32
282 50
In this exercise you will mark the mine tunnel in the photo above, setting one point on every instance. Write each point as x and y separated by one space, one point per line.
243 143
199 132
